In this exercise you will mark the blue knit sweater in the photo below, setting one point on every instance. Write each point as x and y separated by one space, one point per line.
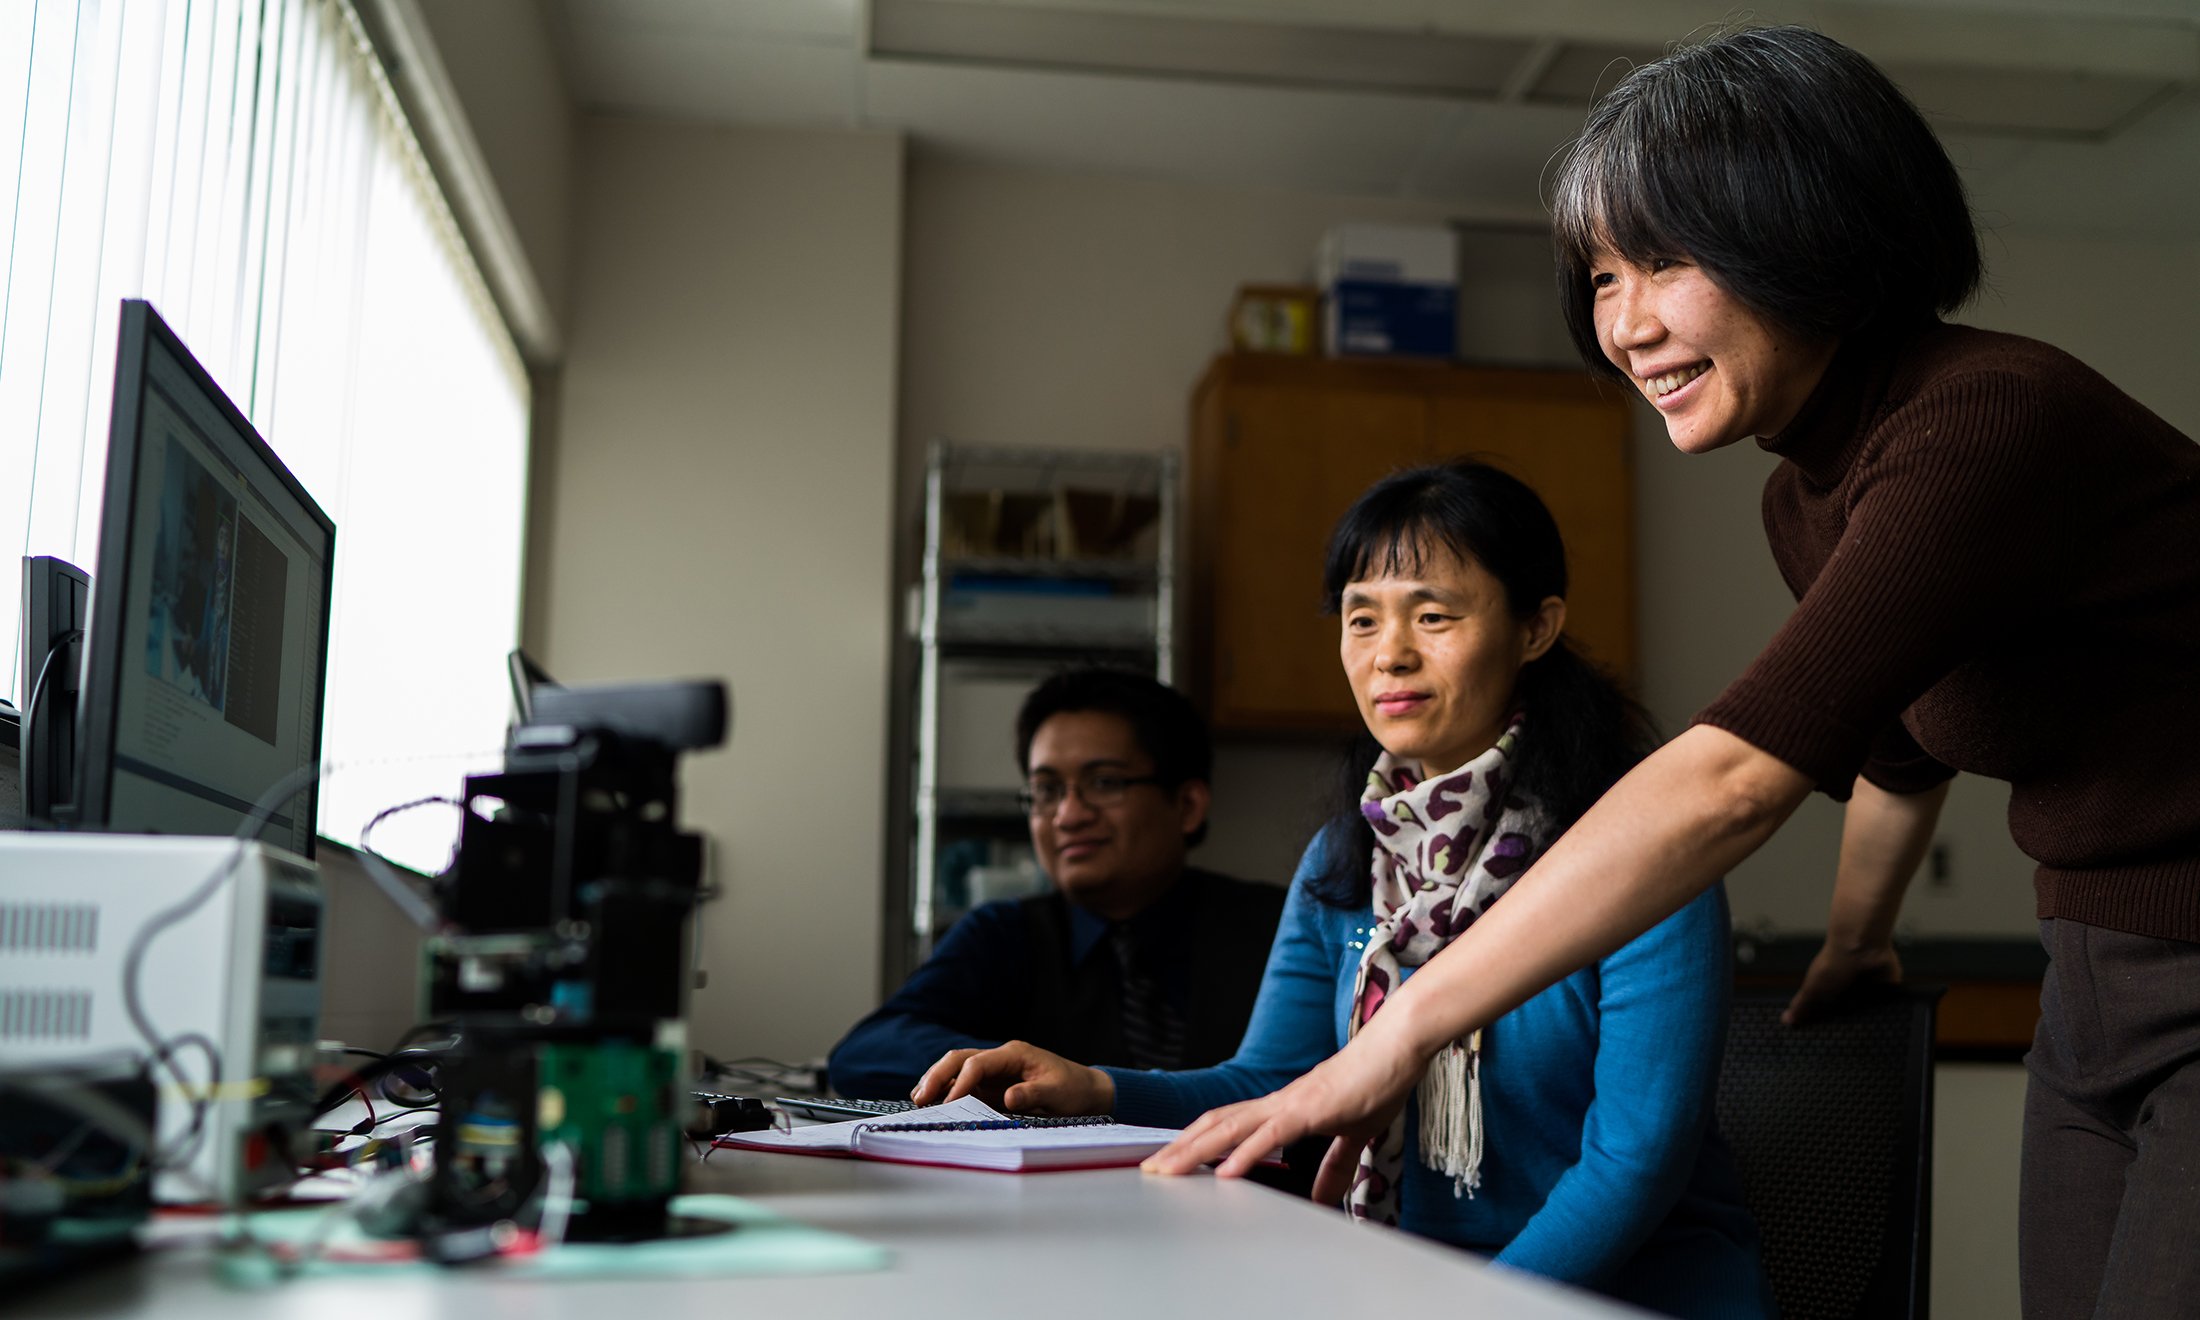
1600 1167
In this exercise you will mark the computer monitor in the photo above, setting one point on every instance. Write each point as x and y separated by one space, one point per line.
56 595
209 641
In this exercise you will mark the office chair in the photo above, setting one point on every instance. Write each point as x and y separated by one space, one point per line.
1832 1128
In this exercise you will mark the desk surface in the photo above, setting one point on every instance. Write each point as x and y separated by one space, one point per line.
1108 1245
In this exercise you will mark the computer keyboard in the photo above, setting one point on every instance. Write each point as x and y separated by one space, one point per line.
812 1106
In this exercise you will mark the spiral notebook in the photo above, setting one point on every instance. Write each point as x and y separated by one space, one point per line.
969 1134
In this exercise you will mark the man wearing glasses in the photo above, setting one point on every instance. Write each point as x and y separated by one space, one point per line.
1133 958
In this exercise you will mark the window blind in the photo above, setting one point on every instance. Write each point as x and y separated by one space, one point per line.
244 166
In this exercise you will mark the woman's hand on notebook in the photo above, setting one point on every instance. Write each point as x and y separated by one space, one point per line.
1017 1078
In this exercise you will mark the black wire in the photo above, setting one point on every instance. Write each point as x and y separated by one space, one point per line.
763 1073
752 1061
383 872
448 1028
382 1066
38 685
430 1098
367 830
429 1089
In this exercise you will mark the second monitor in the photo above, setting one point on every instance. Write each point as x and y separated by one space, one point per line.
209 642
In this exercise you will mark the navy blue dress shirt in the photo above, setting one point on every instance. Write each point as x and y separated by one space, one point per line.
1039 970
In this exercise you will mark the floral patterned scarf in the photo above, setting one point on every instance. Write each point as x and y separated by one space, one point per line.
1445 850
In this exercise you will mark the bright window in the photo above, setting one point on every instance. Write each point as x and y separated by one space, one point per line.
243 166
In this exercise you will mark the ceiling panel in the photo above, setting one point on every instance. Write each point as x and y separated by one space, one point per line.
716 78
1221 49
1246 136
813 20
2038 101
1582 71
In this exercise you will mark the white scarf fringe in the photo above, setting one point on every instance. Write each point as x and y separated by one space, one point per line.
1450 1097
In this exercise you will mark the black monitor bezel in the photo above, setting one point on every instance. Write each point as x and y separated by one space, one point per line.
142 327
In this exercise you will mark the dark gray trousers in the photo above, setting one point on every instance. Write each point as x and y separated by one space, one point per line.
2109 1215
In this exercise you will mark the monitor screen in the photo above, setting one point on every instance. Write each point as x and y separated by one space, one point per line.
209 639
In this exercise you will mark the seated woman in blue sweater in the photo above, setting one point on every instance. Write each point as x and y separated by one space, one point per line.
1570 1138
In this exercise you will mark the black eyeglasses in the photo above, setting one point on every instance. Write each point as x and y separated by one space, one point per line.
1041 796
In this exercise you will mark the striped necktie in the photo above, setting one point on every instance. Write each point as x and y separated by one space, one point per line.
1153 1033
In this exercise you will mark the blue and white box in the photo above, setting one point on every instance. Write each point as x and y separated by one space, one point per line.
1389 290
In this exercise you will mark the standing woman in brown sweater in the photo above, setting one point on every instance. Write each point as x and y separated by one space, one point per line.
1996 555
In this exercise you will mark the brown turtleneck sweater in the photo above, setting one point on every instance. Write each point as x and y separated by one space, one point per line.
1996 555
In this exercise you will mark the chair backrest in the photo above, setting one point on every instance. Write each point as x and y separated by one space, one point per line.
1832 1128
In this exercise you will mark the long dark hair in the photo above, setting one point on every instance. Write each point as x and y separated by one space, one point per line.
1583 731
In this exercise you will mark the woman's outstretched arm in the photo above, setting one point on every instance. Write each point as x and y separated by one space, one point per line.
1684 817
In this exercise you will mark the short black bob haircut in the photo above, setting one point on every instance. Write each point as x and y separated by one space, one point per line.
1582 730
1166 725
1788 167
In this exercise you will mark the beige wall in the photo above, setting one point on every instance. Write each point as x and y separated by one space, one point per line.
722 508
370 962
1077 310
2123 307
1074 310
1978 1126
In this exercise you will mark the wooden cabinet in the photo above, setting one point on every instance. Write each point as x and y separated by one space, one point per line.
1282 446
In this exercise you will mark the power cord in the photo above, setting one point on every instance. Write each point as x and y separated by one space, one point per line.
27 719
774 1075
382 1066
38 685
133 1002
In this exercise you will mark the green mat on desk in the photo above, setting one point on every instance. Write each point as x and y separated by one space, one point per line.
760 1243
